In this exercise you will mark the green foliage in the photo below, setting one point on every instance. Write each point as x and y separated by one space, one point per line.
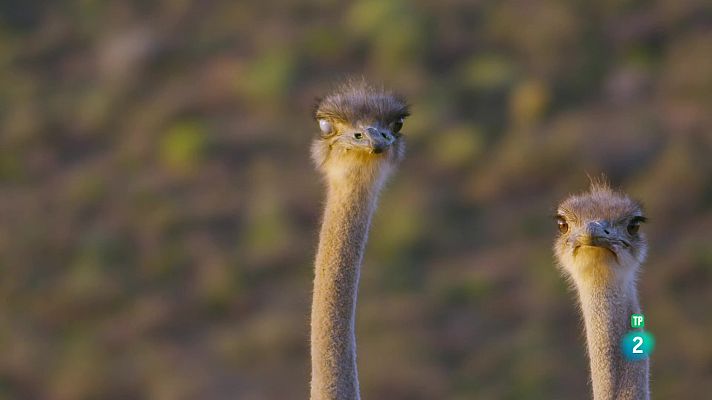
269 76
9 166
184 146
488 72
158 228
369 17
465 292
323 43
458 146
395 33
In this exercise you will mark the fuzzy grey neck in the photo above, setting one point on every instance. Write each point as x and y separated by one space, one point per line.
606 311
349 207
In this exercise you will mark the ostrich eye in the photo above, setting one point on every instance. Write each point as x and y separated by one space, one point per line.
563 225
397 125
634 226
325 126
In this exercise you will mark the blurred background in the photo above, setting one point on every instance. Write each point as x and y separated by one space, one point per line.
159 211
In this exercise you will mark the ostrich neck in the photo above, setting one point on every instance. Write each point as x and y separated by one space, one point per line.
607 311
347 216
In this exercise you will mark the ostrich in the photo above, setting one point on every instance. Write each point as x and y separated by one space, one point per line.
359 146
600 250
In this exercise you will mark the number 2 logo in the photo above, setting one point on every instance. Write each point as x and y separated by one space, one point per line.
637 345
636 348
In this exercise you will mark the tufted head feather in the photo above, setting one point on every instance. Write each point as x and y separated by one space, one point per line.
358 101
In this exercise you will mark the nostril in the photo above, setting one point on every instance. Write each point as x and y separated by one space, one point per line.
384 135
358 135
606 232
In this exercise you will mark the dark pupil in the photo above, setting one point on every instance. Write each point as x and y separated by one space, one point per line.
633 228
397 126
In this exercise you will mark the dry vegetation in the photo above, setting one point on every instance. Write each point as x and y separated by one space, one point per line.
158 210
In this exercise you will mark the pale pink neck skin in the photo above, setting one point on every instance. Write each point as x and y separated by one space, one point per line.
351 201
608 297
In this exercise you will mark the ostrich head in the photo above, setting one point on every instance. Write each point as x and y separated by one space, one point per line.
360 131
600 240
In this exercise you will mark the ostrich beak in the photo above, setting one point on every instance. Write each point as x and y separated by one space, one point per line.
378 140
596 234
